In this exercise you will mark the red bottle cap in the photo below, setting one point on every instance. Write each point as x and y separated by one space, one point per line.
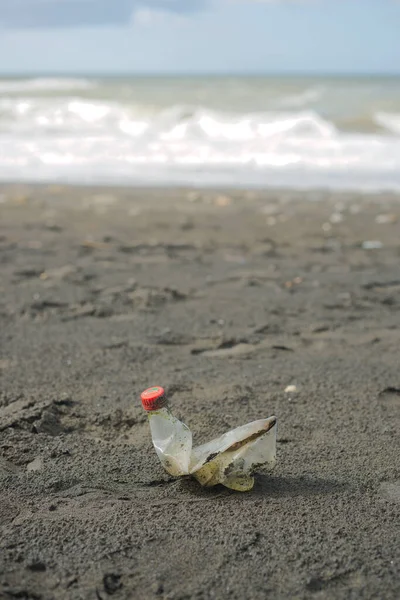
153 398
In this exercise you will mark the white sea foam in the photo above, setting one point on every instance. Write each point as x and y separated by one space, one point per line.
391 121
79 134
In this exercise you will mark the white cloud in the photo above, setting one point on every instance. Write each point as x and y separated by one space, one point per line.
62 14
29 14
149 17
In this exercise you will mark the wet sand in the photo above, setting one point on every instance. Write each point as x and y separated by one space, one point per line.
224 298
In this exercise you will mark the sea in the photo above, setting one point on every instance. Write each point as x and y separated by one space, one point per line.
340 133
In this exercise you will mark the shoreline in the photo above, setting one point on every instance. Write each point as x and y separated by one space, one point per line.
252 190
178 192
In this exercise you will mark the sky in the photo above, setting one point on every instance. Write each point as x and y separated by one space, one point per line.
199 36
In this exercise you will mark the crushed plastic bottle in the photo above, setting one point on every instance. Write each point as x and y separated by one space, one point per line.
230 459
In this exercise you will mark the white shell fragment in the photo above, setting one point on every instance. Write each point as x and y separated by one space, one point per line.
290 389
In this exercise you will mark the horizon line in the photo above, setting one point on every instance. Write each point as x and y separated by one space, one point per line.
178 74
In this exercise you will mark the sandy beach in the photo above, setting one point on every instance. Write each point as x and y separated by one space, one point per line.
225 298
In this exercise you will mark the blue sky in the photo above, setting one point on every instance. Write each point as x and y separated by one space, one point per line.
192 36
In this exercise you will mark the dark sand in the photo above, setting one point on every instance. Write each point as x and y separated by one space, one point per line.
225 299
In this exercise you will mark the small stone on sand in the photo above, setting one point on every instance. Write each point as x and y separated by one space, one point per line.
222 201
383 219
35 465
372 245
290 389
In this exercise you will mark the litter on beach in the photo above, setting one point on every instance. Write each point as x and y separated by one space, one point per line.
230 459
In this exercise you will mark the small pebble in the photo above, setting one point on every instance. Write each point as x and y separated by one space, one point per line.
372 245
382 219
35 465
222 200
290 389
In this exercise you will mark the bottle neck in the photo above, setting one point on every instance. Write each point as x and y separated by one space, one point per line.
162 412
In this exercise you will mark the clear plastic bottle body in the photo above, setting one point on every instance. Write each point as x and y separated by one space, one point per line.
172 441
229 459
232 458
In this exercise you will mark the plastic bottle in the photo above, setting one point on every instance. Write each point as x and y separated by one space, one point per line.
229 459
172 439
